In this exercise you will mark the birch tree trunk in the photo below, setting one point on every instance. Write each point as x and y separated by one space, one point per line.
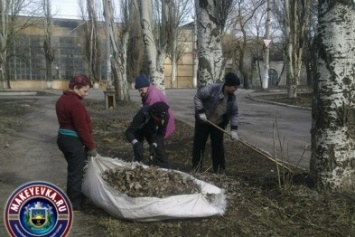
195 55
333 126
155 49
173 66
47 44
297 15
119 64
5 35
209 38
4 83
118 45
91 39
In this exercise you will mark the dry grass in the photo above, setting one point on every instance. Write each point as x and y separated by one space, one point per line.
257 204
12 114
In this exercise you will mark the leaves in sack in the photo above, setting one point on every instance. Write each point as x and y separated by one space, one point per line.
149 182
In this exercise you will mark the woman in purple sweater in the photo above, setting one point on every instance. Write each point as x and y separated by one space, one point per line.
150 95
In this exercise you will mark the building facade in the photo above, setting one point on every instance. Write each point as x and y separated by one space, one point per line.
28 63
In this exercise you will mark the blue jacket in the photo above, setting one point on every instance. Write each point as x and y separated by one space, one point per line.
207 99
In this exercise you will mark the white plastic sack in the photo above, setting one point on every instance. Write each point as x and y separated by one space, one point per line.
149 208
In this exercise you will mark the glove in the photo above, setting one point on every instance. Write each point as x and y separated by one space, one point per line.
92 153
202 117
234 135
138 151
152 148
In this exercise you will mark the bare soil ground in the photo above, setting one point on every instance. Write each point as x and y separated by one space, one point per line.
263 199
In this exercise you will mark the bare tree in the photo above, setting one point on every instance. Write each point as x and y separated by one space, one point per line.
333 128
293 16
178 11
310 54
211 20
118 37
11 25
135 54
155 37
244 13
47 44
92 47
257 26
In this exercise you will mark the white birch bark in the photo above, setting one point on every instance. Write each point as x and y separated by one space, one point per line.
173 66
156 53
333 127
296 21
195 55
209 37
118 48
5 33
91 38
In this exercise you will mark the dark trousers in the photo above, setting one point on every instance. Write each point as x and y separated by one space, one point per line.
75 156
202 132
160 159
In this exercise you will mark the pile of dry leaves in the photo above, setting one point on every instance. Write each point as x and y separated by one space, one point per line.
149 182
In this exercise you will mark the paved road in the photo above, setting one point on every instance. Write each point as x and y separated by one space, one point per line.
258 123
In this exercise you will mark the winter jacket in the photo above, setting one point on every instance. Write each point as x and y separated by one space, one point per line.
72 115
207 98
155 95
144 124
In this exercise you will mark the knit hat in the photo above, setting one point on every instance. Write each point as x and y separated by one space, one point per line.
159 109
231 79
141 81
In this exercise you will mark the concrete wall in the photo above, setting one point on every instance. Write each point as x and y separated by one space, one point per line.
38 84
42 85
277 66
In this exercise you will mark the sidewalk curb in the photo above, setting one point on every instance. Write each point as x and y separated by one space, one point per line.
275 103
17 93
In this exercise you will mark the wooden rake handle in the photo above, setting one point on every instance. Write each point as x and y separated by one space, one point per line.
250 146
